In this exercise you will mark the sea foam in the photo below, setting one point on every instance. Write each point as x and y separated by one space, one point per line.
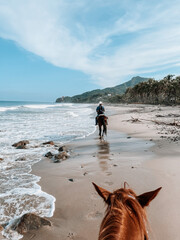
20 192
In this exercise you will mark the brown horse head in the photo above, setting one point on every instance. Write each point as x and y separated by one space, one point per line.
125 218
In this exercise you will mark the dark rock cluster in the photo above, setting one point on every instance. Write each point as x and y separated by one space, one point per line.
30 221
21 144
48 143
62 154
27 222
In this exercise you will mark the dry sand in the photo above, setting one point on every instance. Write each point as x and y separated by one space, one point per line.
147 158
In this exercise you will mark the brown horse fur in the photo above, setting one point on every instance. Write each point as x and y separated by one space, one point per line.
125 217
102 122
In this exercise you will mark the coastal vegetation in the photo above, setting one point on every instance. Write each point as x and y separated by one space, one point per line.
165 91
137 90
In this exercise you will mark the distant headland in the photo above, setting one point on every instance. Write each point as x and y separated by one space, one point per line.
136 90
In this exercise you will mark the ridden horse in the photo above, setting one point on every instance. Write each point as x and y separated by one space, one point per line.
102 122
125 217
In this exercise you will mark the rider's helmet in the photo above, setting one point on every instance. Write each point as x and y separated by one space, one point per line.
100 103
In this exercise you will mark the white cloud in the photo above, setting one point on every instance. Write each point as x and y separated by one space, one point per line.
73 35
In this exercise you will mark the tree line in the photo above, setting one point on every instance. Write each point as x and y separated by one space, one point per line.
165 91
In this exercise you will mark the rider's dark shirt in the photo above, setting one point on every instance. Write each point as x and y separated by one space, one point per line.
100 110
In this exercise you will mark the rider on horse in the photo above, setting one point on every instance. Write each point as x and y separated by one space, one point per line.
100 110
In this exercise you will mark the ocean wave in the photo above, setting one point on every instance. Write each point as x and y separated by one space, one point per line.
23 198
3 109
37 106
71 114
40 106
60 123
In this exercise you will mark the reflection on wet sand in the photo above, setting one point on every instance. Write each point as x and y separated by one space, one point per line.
103 155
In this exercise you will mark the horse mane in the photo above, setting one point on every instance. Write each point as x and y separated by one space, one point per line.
122 206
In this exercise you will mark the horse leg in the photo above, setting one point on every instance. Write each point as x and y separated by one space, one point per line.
99 131
105 129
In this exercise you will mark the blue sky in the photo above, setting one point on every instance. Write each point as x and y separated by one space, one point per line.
54 48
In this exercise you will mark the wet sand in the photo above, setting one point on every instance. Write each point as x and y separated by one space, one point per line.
142 158
164 211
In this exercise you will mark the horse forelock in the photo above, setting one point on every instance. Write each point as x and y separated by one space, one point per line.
122 205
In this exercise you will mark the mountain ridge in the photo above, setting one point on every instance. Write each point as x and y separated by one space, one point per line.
105 94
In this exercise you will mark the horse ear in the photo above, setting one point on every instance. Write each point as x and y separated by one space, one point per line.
145 198
102 192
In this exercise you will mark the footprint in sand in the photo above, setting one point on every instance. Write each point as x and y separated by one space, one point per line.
85 173
94 196
70 236
109 173
94 215
109 183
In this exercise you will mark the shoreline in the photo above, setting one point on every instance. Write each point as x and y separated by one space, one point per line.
77 204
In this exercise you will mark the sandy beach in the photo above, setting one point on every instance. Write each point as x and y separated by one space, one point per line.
142 148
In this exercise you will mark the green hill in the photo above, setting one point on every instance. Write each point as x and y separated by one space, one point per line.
112 94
